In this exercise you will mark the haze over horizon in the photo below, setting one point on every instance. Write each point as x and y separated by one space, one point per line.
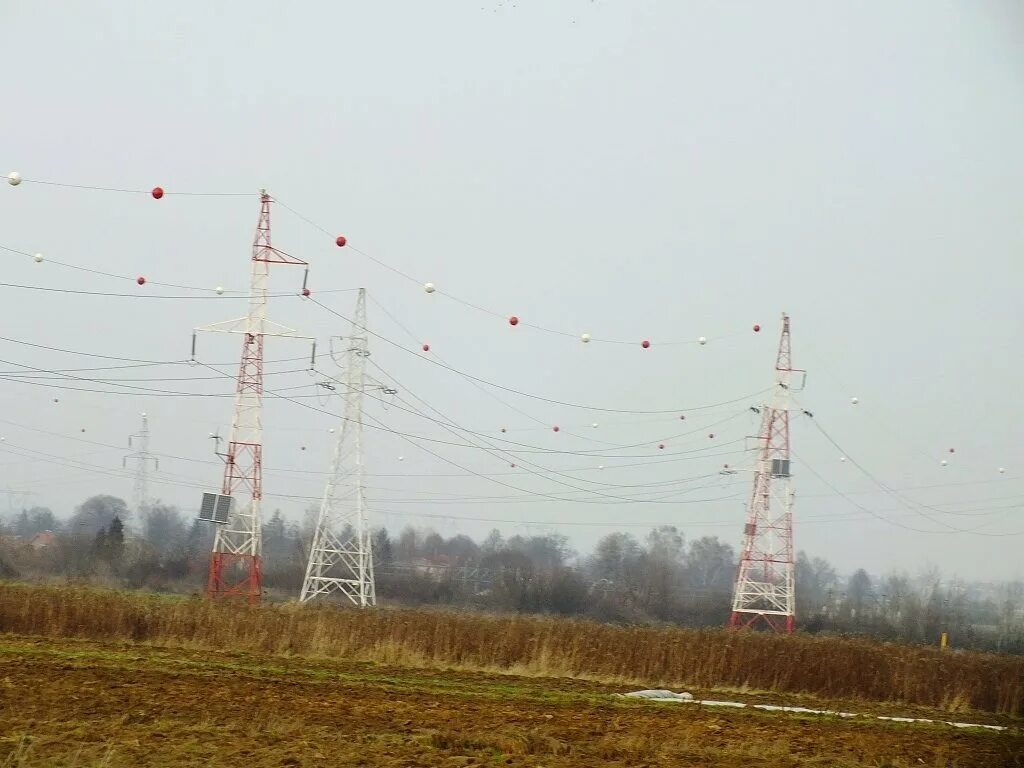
660 171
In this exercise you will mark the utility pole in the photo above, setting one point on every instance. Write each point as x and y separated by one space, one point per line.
236 559
142 458
341 555
765 593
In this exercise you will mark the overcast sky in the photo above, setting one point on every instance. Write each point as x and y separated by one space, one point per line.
634 170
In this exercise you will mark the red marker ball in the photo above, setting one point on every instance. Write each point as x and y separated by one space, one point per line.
305 291
725 466
555 429
645 343
157 192
512 465
682 418
757 328
513 320
711 436
504 430
952 451
140 280
426 347
661 446
340 241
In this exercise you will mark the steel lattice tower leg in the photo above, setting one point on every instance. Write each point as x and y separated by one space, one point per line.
236 559
341 555
765 594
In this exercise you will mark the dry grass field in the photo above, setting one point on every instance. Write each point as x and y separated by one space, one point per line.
91 678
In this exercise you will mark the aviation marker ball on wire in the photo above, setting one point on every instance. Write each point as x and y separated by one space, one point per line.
1002 470
854 400
757 328
594 425
585 338
943 463
140 280
645 343
513 320
219 290
426 347
702 340
157 193
37 258
661 446
429 287
340 241
14 178
305 293
555 428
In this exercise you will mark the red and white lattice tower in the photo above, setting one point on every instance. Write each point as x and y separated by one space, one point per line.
236 559
764 594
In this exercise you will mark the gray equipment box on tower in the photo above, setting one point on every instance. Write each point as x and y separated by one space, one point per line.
216 508
780 467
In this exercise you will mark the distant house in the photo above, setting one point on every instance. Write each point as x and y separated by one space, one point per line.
43 540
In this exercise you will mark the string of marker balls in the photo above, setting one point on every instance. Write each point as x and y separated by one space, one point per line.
14 178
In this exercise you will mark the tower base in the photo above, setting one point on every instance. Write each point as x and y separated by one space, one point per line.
744 620
235 576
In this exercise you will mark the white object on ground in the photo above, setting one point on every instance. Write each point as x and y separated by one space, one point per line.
663 695
658 694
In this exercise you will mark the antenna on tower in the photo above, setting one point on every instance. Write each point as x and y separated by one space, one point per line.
236 559
765 591
141 455
341 554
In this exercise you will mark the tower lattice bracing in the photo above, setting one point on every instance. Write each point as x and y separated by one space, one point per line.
764 594
341 555
236 559
139 441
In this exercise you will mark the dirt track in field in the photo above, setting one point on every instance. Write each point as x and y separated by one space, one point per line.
66 702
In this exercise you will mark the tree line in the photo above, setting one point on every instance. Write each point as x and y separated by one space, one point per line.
659 578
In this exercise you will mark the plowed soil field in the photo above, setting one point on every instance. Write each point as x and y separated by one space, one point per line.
66 702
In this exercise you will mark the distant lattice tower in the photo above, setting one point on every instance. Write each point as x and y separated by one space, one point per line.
765 594
341 555
236 559
142 459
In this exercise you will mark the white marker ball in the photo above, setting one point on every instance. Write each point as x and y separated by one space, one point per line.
212 435
944 462
702 340
594 425
600 466
331 430
143 414
1002 470
854 400
401 458
37 258
14 178
429 287
585 338
220 290
842 458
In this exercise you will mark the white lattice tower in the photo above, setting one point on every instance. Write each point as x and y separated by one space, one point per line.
341 554
765 587
142 459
